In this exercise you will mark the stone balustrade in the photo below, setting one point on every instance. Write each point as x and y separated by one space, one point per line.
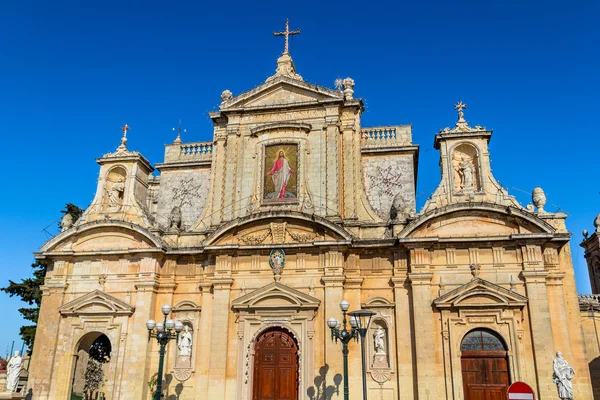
386 136
589 302
194 151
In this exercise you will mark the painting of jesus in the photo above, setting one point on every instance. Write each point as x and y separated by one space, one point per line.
280 173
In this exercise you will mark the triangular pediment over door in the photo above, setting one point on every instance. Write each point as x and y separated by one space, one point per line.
275 296
480 293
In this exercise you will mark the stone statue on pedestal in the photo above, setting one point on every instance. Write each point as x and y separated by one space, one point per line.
379 337
466 172
13 371
185 342
115 194
562 376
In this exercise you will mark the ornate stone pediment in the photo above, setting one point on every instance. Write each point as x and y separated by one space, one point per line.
281 91
275 296
377 302
480 293
96 303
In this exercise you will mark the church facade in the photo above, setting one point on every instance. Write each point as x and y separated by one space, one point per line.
255 237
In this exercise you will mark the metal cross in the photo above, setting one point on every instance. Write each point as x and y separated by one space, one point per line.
287 34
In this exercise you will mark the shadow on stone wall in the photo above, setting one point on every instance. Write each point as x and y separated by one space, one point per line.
595 375
320 390
178 388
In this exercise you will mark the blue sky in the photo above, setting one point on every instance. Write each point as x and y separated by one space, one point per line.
72 73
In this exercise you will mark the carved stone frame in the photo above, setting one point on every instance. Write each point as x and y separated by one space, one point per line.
274 305
301 143
94 312
503 317
188 313
384 310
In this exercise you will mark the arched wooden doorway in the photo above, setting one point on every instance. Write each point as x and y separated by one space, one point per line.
484 365
275 366
93 353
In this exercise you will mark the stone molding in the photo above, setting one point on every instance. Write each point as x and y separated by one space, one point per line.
483 289
109 305
274 296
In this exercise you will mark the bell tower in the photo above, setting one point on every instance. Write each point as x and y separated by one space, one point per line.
465 166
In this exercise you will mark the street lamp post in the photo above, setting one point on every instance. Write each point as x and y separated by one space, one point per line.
164 332
363 320
339 332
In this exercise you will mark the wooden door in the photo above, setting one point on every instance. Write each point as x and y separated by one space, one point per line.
275 366
484 366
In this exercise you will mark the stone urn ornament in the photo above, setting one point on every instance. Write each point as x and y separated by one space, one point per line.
538 197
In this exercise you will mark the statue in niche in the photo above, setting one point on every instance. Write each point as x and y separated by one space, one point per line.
562 376
13 371
379 338
115 194
184 344
466 172
175 219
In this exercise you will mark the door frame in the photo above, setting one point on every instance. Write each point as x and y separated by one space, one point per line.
298 370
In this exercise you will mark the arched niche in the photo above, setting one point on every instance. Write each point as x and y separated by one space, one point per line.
467 169
93 354
114 190
186 348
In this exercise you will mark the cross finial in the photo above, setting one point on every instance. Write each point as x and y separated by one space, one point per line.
125 128
287 34
460 106
178 138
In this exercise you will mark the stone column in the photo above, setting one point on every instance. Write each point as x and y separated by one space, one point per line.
230 183
332 162
403 329
349 158
138 367
217 364
333 295
203 351
352 294
560 323
218 176
424 335
541 331
42 360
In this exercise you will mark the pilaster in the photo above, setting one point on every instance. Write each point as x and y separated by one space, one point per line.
204 337
217 365
424 334
332 162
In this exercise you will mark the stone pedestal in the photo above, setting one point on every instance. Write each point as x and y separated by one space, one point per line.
380 361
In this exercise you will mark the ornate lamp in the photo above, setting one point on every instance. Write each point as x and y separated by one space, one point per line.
362 319
163 332
339 332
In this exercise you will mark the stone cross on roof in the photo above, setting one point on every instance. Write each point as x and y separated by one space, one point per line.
125 128
287 34
460 106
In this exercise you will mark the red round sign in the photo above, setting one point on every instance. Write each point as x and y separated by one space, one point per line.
520 391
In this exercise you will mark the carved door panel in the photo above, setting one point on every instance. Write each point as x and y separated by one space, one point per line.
485 375
275 366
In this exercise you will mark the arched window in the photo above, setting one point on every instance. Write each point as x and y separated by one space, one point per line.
482 339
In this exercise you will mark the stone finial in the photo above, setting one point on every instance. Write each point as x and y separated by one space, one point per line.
597 223
123 144
175 220
66 222
226 95
348 85
585 233
538 198
286 68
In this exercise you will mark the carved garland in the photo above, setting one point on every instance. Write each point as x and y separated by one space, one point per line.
258 238
253 338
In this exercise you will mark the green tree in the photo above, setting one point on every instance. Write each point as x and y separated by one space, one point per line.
29 292
29 289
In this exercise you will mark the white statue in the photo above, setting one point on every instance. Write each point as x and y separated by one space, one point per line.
115 194
466 173
379 337
185 342
563 373
13 370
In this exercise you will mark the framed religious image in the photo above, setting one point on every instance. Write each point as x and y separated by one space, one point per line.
280 173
